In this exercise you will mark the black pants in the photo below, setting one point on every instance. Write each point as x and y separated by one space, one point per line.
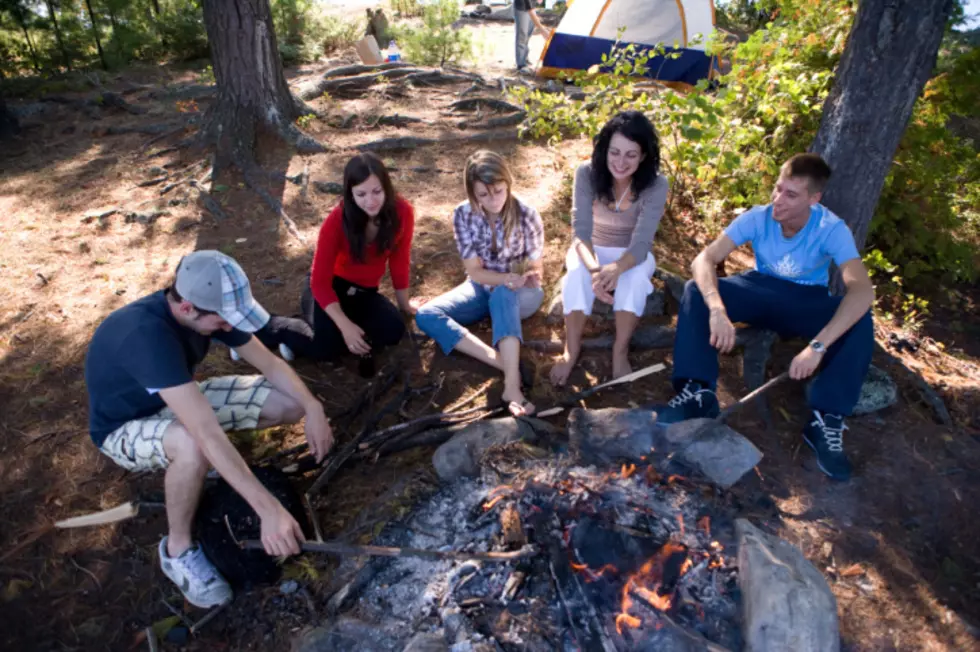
380 320
317 337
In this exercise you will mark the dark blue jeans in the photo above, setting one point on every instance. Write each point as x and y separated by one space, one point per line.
789 309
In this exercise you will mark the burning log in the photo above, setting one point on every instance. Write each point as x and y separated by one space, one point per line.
340 548
512 531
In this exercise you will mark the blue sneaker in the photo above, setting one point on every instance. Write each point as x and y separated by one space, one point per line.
694 401
825 435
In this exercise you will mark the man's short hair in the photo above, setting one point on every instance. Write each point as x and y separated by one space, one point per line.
175 296
812 167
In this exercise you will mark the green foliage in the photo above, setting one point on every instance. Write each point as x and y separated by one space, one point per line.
436 42
180 26
744 15
407 8
892 300
304 121
304 31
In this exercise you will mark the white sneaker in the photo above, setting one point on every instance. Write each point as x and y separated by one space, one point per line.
195 576
234 355
286 353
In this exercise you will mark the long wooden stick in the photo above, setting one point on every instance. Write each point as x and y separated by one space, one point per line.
345 549
575 398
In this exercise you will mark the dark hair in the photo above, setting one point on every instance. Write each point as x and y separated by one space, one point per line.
636 127
358 170
176 298
812 167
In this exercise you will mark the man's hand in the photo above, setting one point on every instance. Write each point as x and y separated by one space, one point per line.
319 434
805 363
281 534
722 330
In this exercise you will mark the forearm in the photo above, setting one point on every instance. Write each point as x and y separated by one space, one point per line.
537 21
626 262
230 465
336 313
706 278
852 308
284 379
586 254
486 277
402 297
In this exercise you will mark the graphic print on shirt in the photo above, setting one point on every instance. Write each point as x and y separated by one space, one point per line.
786 268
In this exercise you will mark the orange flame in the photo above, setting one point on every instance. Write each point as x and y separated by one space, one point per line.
680 522
624 621
493 501
627 470
647 582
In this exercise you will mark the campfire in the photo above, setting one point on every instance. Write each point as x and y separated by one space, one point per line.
626 559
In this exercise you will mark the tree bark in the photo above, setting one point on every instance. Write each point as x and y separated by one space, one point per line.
8 123
95 33
57 35
253 96
890 55
18 12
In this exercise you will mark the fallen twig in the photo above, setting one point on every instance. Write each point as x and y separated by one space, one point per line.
347 550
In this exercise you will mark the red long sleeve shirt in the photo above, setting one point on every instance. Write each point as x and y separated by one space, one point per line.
333 256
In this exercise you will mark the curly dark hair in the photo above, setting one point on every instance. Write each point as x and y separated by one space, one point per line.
636 127
358 170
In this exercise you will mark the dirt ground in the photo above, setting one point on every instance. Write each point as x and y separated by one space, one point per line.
898 544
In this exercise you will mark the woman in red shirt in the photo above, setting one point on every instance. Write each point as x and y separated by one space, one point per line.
371 227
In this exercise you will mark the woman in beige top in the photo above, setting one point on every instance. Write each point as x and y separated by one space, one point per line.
617 204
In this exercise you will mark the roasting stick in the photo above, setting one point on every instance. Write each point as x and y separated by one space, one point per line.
346 549
575 398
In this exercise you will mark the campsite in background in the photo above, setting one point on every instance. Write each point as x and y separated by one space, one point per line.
135 132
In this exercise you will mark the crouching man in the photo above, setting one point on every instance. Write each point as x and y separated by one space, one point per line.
146 412
794 240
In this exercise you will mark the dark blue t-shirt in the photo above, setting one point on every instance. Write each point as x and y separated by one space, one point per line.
138 350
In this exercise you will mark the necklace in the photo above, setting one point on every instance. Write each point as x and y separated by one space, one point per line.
623 196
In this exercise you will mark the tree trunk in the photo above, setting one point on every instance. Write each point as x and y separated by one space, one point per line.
156 8
57 35
95 33
890 55
8 123
253 97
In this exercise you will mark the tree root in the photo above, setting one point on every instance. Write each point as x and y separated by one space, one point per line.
358 68
250 173
475 103
353 86
412 142
209 202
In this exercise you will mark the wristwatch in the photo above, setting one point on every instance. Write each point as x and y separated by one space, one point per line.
818 346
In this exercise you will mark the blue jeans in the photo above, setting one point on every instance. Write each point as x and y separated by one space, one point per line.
443 319
523 28
788 308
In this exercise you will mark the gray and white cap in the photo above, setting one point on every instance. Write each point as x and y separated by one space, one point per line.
213 281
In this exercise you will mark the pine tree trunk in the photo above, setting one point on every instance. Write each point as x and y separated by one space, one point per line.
156 8
890 55
57 36
8 123
30 44
95 33
253 97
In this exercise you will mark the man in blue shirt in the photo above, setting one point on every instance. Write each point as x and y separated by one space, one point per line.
146 412
794 239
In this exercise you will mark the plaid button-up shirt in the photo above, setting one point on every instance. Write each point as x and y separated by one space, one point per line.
474 237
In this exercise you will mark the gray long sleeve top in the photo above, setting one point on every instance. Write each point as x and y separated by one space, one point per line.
649 209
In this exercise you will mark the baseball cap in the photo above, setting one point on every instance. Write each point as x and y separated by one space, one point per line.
213 281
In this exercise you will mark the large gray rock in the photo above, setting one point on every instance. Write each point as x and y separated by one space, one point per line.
719 453
673 282
601 310
878 392
786 602
460 456
427 642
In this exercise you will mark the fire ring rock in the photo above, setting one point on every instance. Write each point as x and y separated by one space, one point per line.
460 456
786 602
603 436
878 392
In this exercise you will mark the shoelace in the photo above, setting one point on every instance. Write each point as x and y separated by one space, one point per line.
199 566
833 436
685 396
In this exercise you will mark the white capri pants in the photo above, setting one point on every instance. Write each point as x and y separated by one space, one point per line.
632 289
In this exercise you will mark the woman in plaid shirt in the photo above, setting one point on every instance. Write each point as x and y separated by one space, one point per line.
501 241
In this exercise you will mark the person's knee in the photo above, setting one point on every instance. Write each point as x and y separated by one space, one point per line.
691 290
426 318
502 295
280 409
182 450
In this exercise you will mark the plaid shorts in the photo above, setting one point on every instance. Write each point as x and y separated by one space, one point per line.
237 402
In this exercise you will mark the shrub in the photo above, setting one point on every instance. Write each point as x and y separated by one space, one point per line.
436 42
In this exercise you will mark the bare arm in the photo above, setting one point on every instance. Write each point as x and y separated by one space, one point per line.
858 299
704 274
280 532
537 23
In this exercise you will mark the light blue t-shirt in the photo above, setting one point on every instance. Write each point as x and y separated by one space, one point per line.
804 258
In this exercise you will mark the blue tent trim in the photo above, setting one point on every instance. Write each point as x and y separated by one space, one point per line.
567 51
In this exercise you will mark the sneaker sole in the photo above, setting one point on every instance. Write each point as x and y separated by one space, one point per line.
820 465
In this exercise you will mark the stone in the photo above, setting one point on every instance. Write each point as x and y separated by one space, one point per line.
460 456
426 642
329 187
604 436
673 282
878 392
600 310
289 587
786 602
346 634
